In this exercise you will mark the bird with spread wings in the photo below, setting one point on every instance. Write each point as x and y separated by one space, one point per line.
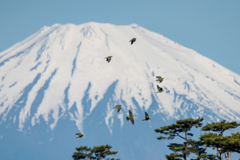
130 117
79 135
108 59
133 40
159 78
160 89
118 107
146 117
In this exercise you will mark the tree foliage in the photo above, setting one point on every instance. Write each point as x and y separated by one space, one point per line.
181 127
217 140
220 126
96 153
198 147
82 152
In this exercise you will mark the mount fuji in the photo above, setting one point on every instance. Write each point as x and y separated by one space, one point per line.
56 83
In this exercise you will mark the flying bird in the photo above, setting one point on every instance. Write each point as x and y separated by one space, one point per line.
132 40
146 117
130 117
79 135
159 78
118 107
108 59
160 89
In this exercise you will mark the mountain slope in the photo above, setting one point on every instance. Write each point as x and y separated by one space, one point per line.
50 72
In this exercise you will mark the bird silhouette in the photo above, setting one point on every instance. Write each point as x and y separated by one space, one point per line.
159 78
108 59
118 107
133 40
130 117
146 117
160 89
79 135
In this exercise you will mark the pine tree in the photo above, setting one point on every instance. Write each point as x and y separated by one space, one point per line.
98 152
199 148
217 140
181 126
82 152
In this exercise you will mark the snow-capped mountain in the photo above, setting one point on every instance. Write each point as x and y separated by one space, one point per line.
60 73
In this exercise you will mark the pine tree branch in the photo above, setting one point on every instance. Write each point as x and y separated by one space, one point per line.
181 136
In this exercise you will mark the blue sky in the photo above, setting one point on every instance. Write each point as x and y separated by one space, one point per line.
210 27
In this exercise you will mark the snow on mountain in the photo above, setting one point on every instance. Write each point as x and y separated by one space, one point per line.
48 74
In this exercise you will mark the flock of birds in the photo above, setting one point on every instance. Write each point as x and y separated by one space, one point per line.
118 107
